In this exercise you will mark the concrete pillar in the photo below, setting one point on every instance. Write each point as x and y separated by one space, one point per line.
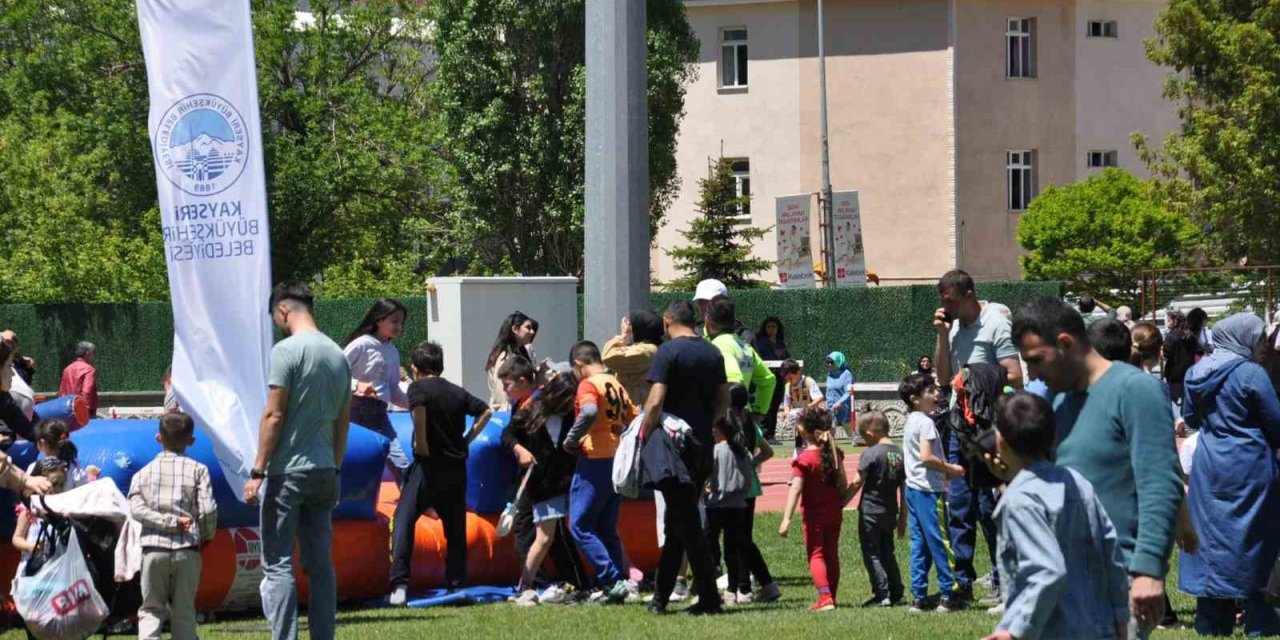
617 171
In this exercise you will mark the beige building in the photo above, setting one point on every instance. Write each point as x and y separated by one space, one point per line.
946 115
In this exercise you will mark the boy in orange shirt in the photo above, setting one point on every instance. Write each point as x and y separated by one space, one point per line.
603 411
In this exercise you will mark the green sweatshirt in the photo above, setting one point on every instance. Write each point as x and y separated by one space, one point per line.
1119 436
741 361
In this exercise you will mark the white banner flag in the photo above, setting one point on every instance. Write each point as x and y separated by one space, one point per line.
851 258
206 137
795 258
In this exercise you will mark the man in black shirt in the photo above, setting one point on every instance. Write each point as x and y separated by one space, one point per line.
688 382
438 476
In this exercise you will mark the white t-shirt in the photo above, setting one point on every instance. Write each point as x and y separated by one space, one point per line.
920 427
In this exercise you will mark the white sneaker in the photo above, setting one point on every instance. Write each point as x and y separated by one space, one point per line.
633 590
745 598
398 597
769 593
681 591
528 598
597 597
997 610
722 583
729 598
553 594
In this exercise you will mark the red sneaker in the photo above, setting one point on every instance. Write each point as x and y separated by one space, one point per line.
825 603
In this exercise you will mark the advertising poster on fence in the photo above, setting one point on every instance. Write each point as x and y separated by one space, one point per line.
851 257
207 142
795 259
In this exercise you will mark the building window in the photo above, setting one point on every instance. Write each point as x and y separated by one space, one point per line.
1102 29
1020 39
733 58
742 186
1101 159
1020 172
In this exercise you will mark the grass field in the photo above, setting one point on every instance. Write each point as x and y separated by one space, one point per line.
784 620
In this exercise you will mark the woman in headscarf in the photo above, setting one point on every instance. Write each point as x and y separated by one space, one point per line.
839 389
1234 489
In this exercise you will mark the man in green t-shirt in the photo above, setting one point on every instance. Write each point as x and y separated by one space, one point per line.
302 441
1115 429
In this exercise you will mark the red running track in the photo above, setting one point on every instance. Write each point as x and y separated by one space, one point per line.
775 473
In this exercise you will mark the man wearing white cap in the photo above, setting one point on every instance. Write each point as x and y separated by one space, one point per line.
706 291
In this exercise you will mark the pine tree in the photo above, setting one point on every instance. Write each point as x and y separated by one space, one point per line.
718 241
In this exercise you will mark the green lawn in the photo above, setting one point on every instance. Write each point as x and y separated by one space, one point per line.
785 620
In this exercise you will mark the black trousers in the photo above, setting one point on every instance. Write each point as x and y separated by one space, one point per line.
732 524
444 488
564 556
751 556
876 539
685 536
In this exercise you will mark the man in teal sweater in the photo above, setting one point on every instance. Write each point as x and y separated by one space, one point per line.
1116 430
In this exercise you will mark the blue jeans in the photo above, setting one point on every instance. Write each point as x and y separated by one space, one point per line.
1217 617
593 518
929 545
299 505
970 508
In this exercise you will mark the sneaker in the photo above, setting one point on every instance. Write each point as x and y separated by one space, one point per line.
949 604
633 590
877 601
742 598
769 593
997 610
596 597
528 598
991 599
824 603
681 591
617 593
729 598
398 597
553 594
722 583
985 581
919 606
963 593
656 608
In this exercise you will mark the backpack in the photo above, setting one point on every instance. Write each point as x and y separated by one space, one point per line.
626 461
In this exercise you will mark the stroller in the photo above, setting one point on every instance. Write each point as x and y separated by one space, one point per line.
71 583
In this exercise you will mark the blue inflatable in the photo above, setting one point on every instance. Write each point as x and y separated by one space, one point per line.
491 469
122 447
69 409
460 597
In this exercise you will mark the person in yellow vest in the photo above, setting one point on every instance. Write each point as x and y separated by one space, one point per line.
603 409
741 362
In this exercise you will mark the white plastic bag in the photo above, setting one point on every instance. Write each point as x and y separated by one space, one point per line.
626 461
60 602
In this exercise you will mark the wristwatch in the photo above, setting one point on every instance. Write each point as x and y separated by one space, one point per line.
257 475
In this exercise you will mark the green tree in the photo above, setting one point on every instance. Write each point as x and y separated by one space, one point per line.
1222 167
718 242
510 85
1096 236
354 178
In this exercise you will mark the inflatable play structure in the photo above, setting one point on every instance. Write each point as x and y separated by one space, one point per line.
232 567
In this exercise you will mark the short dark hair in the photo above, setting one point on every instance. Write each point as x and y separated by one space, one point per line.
739 397
789 366
722 314
428 357
956 279
646 326
516 368
1111 339
175 429
1025 421
295 292
1087 304
585 352
1047 317
915 384
683 313
873 422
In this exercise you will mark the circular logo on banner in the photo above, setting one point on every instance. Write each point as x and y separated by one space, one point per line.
201 144
248 548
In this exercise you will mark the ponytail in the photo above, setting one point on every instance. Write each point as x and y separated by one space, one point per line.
56 436
817 422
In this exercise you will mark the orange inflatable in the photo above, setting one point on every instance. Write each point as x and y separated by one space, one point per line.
492 560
